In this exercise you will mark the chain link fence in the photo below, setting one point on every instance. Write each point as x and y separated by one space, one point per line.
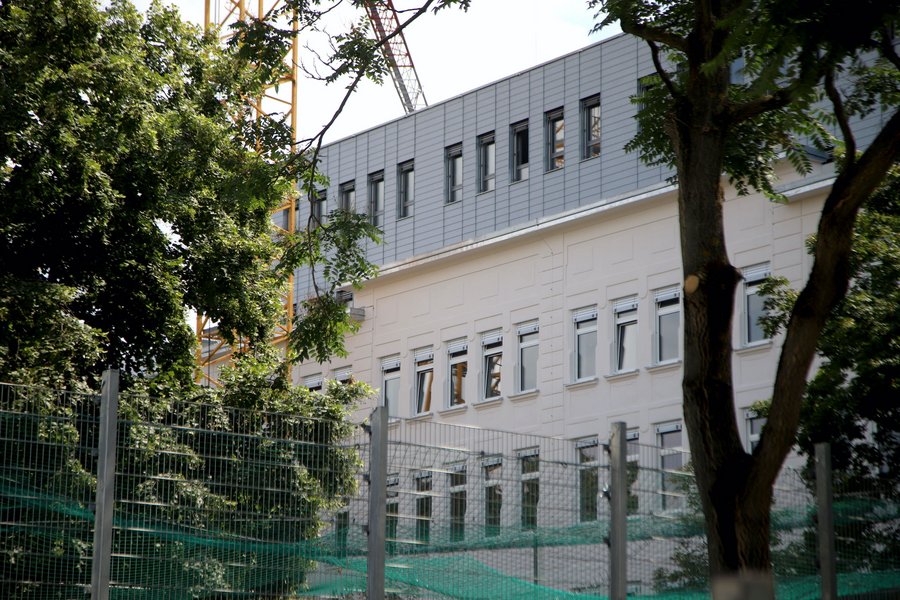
219 502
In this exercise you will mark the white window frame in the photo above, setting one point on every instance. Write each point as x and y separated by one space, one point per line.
457 353
487 162
529 478
347 196
390 371
528 336
376 198
318 208
625 314
750 418
343 374
453 174
424 485
518 133
423 361
491 345
555 128
666 301
670 500
584 323
590 135
592 466
753 276
313 382
406 183
497 481
455 489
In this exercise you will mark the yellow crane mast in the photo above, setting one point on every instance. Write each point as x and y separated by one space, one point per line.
280 97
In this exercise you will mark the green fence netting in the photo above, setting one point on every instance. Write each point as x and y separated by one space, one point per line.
220 503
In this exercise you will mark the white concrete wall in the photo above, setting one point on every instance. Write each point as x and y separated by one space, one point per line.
593 256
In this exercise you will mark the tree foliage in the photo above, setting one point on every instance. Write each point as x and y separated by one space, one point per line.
124 179
217 492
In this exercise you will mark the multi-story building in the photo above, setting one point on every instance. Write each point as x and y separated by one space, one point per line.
530 270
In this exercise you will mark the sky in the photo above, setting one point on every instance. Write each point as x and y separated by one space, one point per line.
454 52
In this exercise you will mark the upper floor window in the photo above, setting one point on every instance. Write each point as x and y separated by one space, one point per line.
347 196
487 162
376 198
556 140
754 302
459 368
492 347
518 134
390 385
453 175
406 180
668 325
528 356
319 208
625 342
590 127
424 360
585 343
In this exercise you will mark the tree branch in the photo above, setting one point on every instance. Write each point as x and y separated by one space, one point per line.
887 48
648 33
812 68
663 74
826 286
316 141
840 114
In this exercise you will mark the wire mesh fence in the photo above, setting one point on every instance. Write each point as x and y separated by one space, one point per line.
219 502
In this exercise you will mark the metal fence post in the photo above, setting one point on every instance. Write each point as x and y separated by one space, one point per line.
106 472
377 503
824 499
618 500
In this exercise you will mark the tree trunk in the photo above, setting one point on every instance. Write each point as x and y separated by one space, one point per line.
737 518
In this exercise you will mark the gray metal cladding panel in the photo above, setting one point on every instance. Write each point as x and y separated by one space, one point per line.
406 139
485 109
552 200
571 190
590 185
375 142
650 175
519 98
554 89
518 216
485 222
469 219
502 210
345 154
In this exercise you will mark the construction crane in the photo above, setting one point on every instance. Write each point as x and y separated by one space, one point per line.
280 97
386 26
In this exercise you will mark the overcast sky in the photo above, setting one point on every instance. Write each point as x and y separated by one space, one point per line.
453 51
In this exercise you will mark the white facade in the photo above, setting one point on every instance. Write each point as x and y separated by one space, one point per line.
618 259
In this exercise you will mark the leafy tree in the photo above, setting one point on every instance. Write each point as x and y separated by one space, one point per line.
124 179
851 403
704 124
